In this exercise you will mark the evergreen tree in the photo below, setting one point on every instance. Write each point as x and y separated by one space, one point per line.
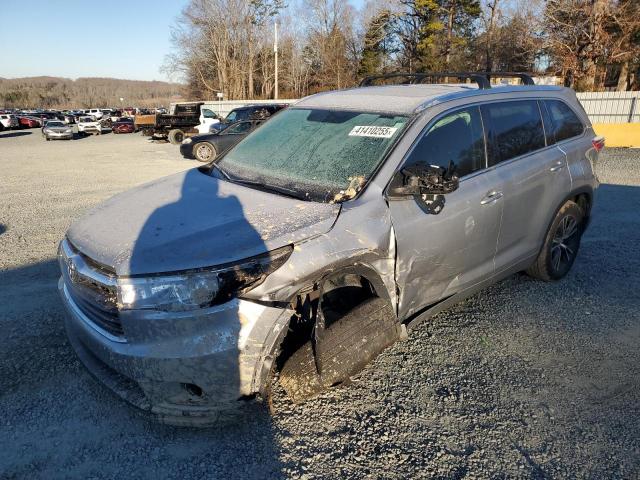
374 50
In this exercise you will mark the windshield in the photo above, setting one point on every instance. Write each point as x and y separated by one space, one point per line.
237 115
55 124
323 155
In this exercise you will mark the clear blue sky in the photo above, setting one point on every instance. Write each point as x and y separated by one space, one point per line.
72 38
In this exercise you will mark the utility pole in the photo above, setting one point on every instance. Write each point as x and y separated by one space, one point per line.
275 50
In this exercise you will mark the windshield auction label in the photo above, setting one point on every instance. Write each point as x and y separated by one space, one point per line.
372 131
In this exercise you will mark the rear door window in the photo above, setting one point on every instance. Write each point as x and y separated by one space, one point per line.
564 122
515 128
456 137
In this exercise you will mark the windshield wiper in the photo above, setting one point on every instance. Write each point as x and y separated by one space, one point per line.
222 171
287 192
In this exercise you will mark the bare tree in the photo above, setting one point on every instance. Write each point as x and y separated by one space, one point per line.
585 37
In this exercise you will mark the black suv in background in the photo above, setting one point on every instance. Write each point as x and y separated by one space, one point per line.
208 146
249 112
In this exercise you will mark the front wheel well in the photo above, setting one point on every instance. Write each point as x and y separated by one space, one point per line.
348 326
332 297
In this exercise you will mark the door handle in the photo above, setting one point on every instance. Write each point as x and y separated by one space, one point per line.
491 197
557 166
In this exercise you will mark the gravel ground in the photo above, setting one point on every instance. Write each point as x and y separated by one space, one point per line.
524 380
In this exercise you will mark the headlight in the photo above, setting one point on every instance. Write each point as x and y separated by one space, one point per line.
68 130
201 288
187 140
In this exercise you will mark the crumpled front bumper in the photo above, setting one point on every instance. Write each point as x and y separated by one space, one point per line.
186 368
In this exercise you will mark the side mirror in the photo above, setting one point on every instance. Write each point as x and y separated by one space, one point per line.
428 184
422 179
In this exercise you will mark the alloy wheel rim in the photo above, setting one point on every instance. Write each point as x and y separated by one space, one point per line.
563 248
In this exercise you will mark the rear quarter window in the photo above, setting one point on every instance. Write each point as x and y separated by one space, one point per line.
564 121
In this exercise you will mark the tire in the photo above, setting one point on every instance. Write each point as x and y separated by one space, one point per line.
560 246
47 138
204 152
175 136
344 348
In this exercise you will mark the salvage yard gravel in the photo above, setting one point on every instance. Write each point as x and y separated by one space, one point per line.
523 380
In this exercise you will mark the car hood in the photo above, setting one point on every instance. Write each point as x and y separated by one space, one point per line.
57 129
192 220
204 137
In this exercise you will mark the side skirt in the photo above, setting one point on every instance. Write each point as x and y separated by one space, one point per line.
458 297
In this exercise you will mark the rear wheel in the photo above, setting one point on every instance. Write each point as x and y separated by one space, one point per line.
204 151
561 244
175 136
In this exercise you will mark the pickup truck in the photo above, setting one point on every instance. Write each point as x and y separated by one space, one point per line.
183 121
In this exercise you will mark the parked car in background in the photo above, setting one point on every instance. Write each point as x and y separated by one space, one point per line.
116 115
45 122
43 116
94 112
57 129
208 146
9 121
89 125
247 113
27 121
123 125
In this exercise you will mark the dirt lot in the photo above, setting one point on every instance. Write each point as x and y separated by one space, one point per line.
525 380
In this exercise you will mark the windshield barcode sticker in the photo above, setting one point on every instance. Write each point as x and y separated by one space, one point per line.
372 131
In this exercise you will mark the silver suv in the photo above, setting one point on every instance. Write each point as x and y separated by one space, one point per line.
313 244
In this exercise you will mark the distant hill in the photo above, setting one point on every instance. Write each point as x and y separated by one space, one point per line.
57 92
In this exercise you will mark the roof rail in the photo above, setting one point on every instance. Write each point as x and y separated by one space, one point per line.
525 77
483 79
413 78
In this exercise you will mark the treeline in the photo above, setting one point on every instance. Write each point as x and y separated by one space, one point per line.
228 45
55 92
